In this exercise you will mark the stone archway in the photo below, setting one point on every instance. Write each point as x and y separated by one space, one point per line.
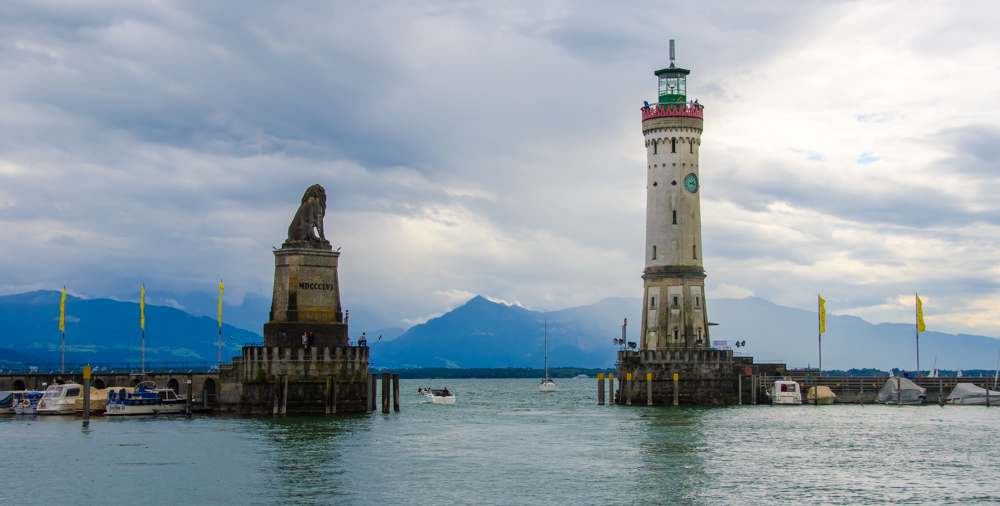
174 385
99 384
19 385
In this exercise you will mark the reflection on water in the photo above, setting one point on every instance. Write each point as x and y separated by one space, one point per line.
506 443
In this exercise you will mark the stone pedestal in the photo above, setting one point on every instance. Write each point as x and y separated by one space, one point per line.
306 299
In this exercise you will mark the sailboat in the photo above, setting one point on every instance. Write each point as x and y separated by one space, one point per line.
547 385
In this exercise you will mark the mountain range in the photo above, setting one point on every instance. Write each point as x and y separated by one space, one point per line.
478 334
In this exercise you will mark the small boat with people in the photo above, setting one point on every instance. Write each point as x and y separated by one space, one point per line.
146 399
785 392
25 403
59 399
440 396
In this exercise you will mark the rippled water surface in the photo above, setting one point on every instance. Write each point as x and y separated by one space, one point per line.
504 442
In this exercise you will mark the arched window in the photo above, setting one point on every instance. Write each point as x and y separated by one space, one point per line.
694 252
675 216
654 147
673 144
691 145
654 252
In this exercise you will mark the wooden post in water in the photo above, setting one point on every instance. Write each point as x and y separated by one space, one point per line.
385 392
941 393
277 394
395 392
739 380
86 395
600 389
899 391
861 394
190 393
611 389
327 394
649 389
369 402
284 397
334 410
677 389
628 389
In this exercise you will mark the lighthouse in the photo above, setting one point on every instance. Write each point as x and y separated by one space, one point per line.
674 313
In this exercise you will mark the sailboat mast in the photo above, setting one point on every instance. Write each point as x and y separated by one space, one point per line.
546 320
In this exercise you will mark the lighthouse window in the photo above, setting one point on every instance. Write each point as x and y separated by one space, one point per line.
652 302
673 145
691 146
654 252
654 147
654 183
675 302
676 335
694 252
675 216
697 301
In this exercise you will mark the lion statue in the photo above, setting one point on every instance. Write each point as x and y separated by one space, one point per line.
309 219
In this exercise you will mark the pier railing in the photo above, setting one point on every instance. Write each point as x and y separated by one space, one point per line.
114 368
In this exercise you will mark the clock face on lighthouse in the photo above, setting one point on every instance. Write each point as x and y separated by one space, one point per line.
691 183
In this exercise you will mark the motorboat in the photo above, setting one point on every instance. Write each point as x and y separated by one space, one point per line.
98 400
899 390
145 400
440 396
26 402
785 392
967 394
7 402
547 385
59 399
826 396
581 377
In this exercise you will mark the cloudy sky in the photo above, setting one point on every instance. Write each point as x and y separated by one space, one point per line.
850 149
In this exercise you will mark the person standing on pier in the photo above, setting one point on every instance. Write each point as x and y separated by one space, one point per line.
305 341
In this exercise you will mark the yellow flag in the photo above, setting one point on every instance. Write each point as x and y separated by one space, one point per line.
822 315
142 308
920 316
221 289
62 311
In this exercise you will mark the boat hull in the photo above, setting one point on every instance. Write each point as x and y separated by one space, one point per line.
441 399
548 387
823 401
61 407
145 407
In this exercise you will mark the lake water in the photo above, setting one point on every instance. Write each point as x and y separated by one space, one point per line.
503 442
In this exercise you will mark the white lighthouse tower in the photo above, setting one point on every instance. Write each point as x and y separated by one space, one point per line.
674 316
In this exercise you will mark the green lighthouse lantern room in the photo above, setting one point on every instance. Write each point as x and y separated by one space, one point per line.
673 81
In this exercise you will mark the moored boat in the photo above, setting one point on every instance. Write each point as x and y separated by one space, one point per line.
785 392
26 402
826 396
967 394
440 396
145 400
98 400
7 402
900 390
547 385
59 399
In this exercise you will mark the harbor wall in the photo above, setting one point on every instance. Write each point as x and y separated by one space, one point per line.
200 382
296 379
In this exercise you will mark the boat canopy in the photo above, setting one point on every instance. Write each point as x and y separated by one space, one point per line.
6 399
824 393
899 387
966 393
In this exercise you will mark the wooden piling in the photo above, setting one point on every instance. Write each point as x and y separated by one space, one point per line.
334 407
328 394
941 393
600 389
611 389
739 381
899 391
677 389
86 395
190 392
649 389
277 394
369 402
395 392
628 389
284 398
385 392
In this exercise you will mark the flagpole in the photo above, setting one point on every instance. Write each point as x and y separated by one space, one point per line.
819 332
142 323
917 328
62 327
220 325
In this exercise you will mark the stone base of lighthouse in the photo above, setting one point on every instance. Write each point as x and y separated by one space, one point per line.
674 313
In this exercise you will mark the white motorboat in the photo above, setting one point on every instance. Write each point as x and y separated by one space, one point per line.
547 385
440 396
967 394
785 392
26 402
59 399
145 400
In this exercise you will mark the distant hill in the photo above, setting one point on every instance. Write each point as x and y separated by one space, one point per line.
774 332
483 334
108 331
